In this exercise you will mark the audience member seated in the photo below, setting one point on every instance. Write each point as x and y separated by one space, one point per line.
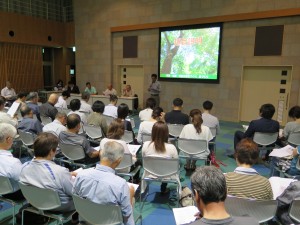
145 114
209 189
9 166
146 126
62 100
59 86
127 91
208 119
90 89
71 136
264 124
75 106
289 165
96 118
196 131
32 102
28 124
47 109
245 182
110 91
102 186
293 126
58 125
8 92
158 146
72 88
115 133
21 98
84 105
42 172
4 117
176 116
123 111
111 109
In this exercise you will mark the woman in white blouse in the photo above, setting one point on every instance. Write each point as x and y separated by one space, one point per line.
196 131
160 147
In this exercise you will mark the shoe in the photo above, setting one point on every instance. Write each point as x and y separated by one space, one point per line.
165 192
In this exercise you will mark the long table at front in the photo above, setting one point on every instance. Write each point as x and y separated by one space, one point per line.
105 99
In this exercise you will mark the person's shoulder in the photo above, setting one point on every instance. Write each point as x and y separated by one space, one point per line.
243 220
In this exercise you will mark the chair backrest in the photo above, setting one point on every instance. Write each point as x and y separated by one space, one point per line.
160 166
72 152
46 120
294 138
146 137
40 198
192 147
93 132
294 211
175 129
265 139
126 162
98 214
128 136
108 119
27 138
213 131
5 186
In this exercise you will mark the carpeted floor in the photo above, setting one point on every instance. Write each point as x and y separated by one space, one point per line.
157 209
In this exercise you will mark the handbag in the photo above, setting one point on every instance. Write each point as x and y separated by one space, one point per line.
186 197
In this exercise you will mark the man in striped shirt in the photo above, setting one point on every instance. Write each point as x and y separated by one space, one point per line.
244 181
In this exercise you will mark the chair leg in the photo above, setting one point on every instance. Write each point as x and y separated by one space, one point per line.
22 217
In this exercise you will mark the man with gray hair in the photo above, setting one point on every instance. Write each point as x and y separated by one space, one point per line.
210 191
85 107
58 125
102 186
32 102
9 166
28 123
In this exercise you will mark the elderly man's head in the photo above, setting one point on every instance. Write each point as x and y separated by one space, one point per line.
53 98
7 134
112 154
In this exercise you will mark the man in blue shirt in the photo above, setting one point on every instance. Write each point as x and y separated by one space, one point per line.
29 124
102 186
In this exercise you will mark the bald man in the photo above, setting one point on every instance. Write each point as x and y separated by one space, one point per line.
47 109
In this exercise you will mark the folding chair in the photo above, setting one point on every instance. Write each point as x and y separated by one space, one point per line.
294 211
174 132
42 200
98 214
93 132
193 149
7 188
263 211
108 119
265 141
127 137
46 120
212 142
72 153
294 139
27 139
125 164
162 170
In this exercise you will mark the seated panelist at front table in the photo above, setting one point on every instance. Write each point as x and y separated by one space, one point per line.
128 91
8 92
72 88
90 89
110 91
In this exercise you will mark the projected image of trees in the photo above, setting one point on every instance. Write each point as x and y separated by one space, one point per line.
190 53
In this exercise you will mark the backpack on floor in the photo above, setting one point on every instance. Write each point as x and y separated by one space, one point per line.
186 197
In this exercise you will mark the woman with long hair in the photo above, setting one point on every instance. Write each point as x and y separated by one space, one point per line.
197 131
159 146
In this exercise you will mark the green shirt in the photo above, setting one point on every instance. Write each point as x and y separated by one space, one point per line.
92 91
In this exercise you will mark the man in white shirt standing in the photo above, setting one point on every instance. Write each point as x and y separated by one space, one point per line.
85 106
58 125
208 119
111 109
8 92
62 103
154 89
110 91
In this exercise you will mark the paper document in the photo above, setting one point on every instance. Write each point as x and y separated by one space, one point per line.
282 152
279 184
185 215
13 109
97 148
135 186
133 148
280 133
